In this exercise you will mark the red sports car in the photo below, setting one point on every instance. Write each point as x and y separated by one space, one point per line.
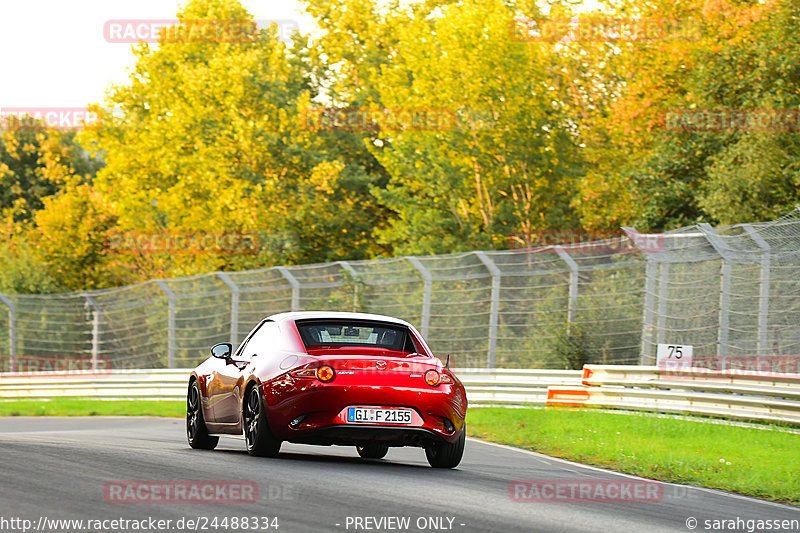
324 378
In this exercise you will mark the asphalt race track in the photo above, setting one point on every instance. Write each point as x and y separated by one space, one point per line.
57 468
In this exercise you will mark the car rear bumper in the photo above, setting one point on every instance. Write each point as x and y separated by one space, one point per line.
320 406
351 435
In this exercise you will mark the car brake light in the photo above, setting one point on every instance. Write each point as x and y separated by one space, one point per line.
304 373
432 378
325 374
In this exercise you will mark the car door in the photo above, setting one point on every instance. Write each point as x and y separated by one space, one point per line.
222 383
231 377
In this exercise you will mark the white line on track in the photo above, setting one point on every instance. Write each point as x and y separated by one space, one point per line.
546 458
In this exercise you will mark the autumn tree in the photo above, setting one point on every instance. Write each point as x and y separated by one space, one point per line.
648 170
500 163
210 136
38 164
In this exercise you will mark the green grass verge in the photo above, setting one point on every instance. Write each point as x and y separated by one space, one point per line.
90 407
753 461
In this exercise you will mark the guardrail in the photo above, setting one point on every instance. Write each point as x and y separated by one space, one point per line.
512 386
501 387
765 397
743 395
161 384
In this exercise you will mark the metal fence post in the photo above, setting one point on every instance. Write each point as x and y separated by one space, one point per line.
494 310
648 313
234 306
725 289
573 283
295 287
763 289
648 356
12 331
95 328
663 302
170 323
349 268
426 302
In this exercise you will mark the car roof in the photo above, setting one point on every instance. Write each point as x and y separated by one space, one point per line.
335 315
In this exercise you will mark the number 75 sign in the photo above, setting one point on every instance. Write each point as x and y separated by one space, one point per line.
668 355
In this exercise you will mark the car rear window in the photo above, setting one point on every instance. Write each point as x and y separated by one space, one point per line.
321 333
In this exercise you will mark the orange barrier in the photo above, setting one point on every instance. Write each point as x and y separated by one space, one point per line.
568 396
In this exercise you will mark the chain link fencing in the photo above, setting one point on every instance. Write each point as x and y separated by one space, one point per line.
730 292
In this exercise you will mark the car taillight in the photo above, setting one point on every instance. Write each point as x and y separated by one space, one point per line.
304 373
433 378
446 379
325 374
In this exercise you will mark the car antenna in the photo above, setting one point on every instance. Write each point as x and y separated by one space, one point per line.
447 364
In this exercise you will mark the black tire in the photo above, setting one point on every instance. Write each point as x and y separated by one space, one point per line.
373 450
446 455
257 435
196 431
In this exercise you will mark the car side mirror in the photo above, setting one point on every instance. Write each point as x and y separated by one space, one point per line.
222 350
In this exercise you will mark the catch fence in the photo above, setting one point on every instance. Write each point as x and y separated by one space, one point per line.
730 292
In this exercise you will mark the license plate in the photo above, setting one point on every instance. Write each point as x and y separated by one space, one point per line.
379 416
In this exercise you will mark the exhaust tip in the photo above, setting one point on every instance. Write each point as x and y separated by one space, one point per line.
297 421
448 426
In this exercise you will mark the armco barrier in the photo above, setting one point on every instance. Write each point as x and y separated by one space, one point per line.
744 395
161 384
739 395
513 387
497 387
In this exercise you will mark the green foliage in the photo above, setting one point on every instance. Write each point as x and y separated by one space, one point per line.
23 271
348 296
570 347
505 163
36 163
70 237
741 56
